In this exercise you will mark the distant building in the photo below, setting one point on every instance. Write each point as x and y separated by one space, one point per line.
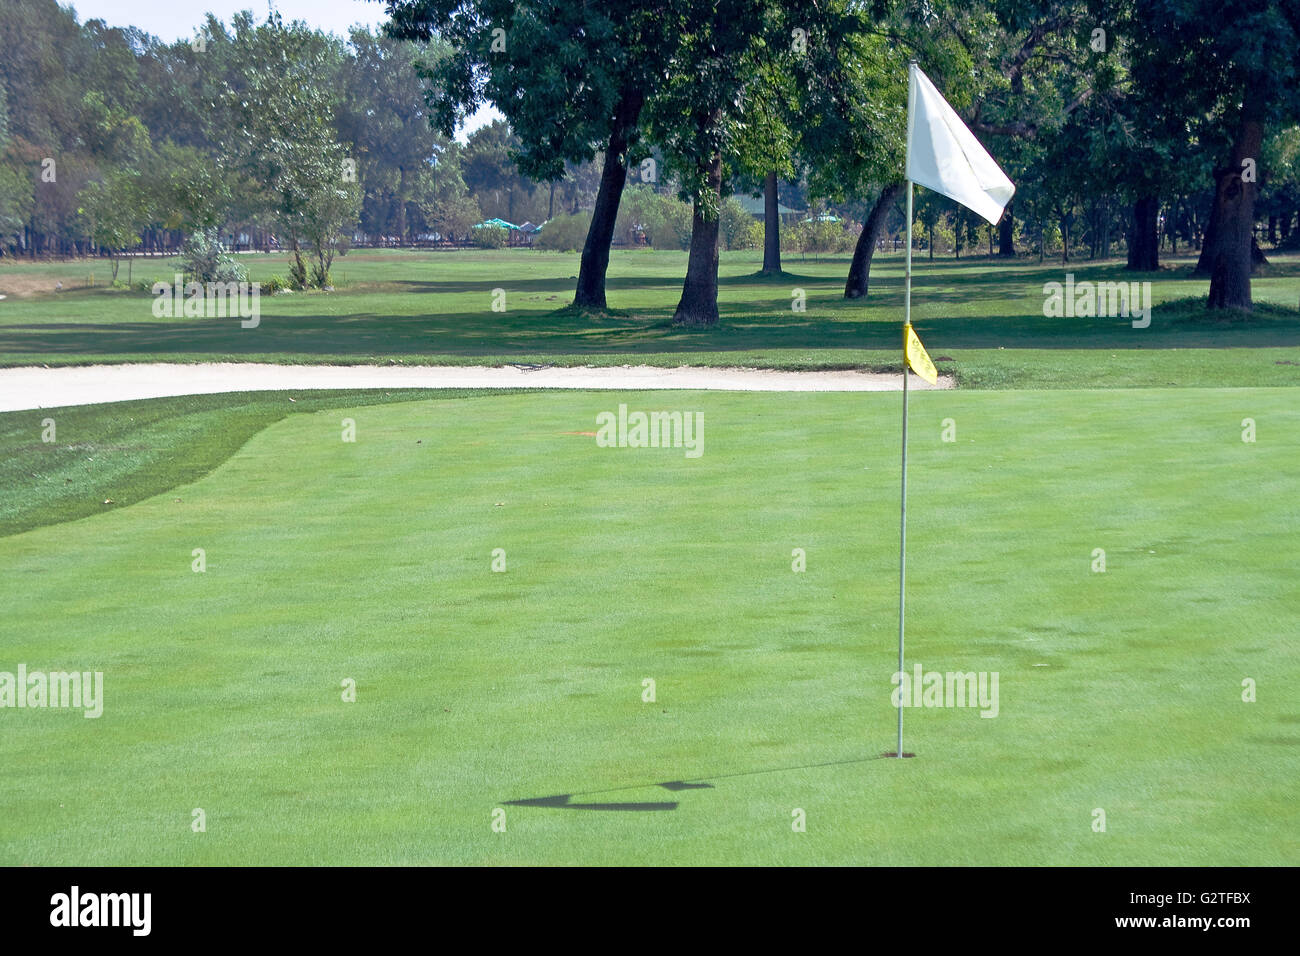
754 206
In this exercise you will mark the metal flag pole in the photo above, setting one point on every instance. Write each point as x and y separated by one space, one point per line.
902 521
907 324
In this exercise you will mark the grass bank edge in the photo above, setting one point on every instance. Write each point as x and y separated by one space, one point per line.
149 447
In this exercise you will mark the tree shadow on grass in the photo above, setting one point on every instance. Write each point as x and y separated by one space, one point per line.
952 309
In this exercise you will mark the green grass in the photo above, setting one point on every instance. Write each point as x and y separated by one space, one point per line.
116 454
436 307
328 560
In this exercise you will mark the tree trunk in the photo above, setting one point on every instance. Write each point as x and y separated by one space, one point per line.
1143 251
699 303
1257 258
402 192
1171 227
590 293
771 228
1105 229
860 269
297 268
1007 233
1232 219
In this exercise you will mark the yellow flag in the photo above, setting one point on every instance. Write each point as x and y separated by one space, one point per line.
917 360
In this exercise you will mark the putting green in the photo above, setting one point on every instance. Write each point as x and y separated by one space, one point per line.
372 561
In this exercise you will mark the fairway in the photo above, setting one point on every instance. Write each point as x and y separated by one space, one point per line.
984 317
478 690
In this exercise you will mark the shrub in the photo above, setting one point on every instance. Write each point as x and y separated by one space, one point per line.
672 224
490 237
297 272
738 229
205 259
820 237
564 233
665 220
273 285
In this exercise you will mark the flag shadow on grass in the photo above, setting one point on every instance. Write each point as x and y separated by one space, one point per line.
563 800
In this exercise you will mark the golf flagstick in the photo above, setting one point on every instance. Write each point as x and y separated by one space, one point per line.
907 324
951 161
902 520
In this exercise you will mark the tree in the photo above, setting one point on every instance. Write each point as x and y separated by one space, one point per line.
488 169
326 214
116 208
571 78
44 54
281 103
191 190
765 145
15 206
698 113
384 119
853 104
1232 74
1012 68
448 208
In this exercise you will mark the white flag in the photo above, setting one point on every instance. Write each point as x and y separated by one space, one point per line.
943 155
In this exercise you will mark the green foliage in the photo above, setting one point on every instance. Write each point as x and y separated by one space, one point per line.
852 103
701 108
204 259
535 62
191 189
564 233
448 208
15 204
116 209
281 107
488 169
274 285
819 237
664 220
113 133
737 229
490 237
383 117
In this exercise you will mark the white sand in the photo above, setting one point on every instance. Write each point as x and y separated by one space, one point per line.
28 388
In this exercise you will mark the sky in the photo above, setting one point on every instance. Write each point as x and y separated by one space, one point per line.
173 19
